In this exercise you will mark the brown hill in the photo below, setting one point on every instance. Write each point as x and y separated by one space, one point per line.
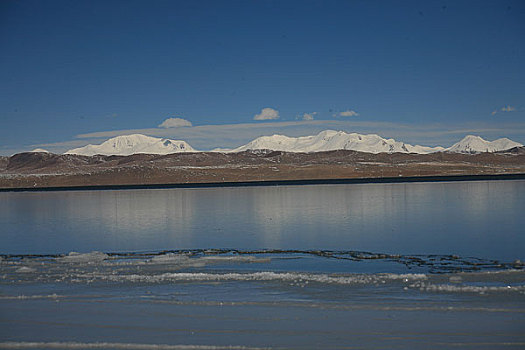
47 169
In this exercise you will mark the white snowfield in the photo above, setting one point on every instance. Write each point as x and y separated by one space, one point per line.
132 144
328 140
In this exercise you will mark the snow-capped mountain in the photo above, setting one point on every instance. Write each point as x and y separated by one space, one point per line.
475 144
131 144
330 140
40 150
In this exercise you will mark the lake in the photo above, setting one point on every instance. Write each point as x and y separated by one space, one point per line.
407 265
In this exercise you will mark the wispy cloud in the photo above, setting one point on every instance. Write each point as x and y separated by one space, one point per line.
267 114
208 130
348 113
308 116
507 108
174 123
233 135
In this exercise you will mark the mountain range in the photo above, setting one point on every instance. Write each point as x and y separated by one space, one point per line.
328 140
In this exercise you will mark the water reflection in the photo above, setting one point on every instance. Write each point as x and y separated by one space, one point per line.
475 218
104 220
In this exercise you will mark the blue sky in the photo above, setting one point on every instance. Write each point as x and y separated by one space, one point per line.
426 72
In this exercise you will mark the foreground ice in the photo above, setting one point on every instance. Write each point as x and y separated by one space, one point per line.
226 299
441 274
92 257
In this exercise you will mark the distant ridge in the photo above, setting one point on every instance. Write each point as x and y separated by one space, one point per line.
132 144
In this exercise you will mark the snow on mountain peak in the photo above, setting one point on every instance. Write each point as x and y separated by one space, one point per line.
330 140
126 145
476 144
327 140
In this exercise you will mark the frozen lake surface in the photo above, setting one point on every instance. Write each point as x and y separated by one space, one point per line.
418 265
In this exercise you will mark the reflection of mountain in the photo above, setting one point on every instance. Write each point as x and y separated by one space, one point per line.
323 214
414 218
390 218
136 219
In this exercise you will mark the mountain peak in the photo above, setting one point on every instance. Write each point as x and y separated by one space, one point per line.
476 144
126 145
472 137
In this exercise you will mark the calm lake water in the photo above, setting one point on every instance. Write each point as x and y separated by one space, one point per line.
424 265
482 219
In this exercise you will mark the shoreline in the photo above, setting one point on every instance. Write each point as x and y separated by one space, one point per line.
261 183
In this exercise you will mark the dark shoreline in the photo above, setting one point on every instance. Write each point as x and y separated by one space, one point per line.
404 179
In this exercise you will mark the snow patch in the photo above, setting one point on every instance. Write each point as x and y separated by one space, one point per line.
93 257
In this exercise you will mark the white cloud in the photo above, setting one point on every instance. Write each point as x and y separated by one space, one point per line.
174 123
267 114
348 113
309 116
508 108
